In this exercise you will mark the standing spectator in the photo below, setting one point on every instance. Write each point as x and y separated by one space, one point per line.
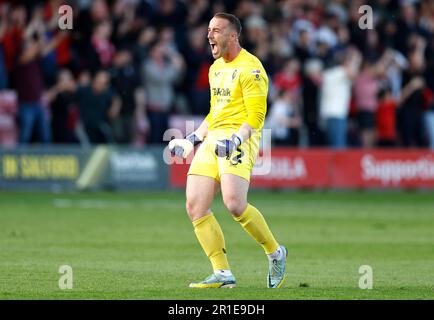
386 118
281 49
311 90
125 80
102 45
366 86
11 36
336 95
284 119
31 113
126 27
48 30
141 48
198 60
258 35
410 114
303 46
64 110
160 73
172 14
406 26
394 72
98 106
289 78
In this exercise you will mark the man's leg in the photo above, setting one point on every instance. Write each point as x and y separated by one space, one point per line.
26 118
234 192
200 193
42 124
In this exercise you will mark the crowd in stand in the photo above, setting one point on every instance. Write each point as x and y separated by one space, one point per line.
128 65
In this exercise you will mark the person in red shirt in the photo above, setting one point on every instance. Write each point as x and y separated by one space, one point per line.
289 78
12 26
386 118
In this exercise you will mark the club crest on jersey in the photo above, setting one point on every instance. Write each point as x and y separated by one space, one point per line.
256 73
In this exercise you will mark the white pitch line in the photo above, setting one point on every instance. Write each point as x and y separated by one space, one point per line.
104 204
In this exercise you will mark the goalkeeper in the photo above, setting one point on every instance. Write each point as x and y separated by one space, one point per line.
229 143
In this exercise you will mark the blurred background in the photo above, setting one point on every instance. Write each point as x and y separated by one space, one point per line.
128 70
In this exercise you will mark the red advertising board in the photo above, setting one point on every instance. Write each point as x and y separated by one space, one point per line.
383 168
286 168
293 168
322 168
178 174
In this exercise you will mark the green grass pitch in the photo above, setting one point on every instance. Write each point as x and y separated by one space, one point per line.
142 246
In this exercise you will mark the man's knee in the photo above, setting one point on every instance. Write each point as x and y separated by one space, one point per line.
195 210
235 205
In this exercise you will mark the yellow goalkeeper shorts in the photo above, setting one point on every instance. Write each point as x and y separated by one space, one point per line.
241 162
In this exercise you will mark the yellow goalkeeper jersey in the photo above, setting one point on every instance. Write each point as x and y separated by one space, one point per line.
238 93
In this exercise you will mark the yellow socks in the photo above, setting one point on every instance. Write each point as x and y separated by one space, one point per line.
254 223
210 237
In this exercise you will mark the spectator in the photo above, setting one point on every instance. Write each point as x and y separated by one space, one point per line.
386 118
198 59
410 114
102 45
311 89
394 72
280 48
199 12
11 36
336 95
289 78
366 86
257 33
141 48
125 80
406 26
303 48
161 71
98 105
125 26
172 14
31 113
64 110
284 119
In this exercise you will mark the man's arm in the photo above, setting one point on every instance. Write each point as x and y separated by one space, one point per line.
202 130
353 62
245 131
115 108
183 147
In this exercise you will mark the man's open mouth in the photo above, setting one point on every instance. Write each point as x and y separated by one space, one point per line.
213 46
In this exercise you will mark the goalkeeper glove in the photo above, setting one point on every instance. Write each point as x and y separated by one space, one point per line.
225 147
183 147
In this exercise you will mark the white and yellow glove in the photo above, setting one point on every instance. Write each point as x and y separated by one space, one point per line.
183 147
225 147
